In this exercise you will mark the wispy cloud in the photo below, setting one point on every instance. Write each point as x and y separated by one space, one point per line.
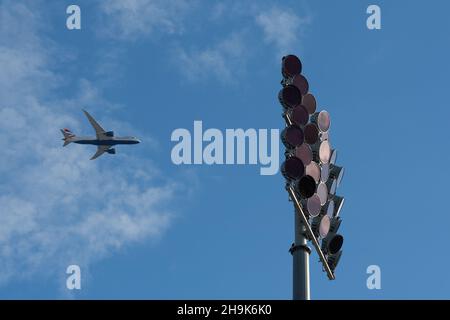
56 206
283 29
132 19
222 61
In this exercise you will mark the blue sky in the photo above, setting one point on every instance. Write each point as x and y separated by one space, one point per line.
141 227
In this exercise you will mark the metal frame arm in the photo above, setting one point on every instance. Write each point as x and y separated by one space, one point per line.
299 211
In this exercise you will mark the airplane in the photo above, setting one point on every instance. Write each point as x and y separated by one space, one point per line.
104 140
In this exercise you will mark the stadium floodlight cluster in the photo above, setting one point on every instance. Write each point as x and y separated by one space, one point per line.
310 169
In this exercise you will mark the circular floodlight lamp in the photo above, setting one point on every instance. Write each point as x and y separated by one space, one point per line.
328 209
313 170
293 168
337 173
322 119
290 96
335 243
333 260
309 101
292 136
306 186
338 204
332 186
324 152
299 115
333 156
313 205
324 172
290 66
304 153
322 192
301 83
324 226
335 223
311 133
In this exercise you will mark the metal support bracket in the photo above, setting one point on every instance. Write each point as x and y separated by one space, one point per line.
315 242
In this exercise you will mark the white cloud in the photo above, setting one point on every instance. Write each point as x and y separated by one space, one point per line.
56 206
224 60
283 29
227 59
130 19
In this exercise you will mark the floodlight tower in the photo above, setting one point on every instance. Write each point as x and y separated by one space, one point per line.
312 177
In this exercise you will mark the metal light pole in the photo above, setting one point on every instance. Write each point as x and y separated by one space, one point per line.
300 267
312 177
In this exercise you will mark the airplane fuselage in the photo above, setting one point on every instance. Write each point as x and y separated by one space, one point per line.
105 142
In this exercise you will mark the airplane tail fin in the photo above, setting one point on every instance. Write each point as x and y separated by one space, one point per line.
68 135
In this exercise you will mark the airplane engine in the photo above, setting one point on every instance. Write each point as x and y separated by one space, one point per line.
111 151
109 133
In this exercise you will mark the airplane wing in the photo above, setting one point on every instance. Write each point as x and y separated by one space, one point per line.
99 131
100 150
